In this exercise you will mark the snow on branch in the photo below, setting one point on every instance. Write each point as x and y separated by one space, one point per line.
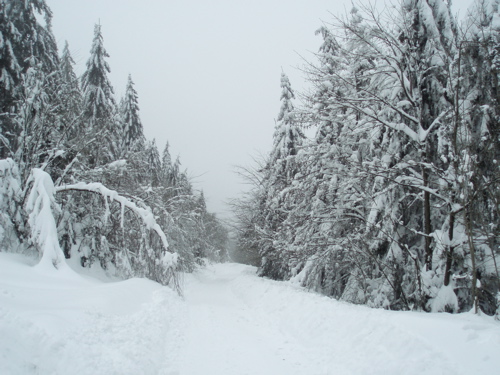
169 259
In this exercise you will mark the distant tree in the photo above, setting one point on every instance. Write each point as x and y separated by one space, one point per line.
154 163
166 165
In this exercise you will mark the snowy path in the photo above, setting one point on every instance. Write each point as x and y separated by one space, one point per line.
225 336
230 322
241 324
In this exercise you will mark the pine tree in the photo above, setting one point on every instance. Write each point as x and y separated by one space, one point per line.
154 164
287 137
324 82
70 88
166 159
23 39
278 176
56 134
35 119
10 67
99 105
400 97
69 100
357 217
167 174
129 116
478 145
327 219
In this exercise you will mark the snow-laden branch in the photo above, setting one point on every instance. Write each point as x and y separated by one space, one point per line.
169 259
41 219
423 134
414 136
417 183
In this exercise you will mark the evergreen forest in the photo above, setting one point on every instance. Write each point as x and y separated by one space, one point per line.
394 202
366 239
78 178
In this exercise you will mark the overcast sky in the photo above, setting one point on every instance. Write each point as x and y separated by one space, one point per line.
207 72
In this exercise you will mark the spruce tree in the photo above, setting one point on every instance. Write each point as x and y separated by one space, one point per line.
278 175
166 163
317 243
70 99
99 105
132 129
24 40
10 68
153 163
478 143
167 173
287 137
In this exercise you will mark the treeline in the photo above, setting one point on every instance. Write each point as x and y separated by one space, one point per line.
67 144
395 201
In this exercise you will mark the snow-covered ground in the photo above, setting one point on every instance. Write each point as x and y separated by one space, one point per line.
54 322
229 322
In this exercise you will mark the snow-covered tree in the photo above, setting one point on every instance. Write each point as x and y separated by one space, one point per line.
477 144
279 173
386 205
99 105
69 93
132 130
23 40
55 134
154 163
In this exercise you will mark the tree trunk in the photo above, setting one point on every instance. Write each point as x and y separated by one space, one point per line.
427 221
468 228
449 253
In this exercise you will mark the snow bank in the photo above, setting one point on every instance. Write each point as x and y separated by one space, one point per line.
56 323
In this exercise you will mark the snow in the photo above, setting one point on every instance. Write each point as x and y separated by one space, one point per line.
229 322
122 163
445 299
62 323
41 219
